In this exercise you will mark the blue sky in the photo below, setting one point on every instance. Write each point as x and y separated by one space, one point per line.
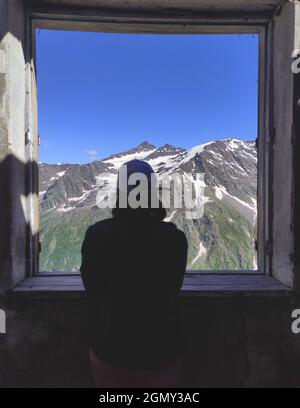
103 93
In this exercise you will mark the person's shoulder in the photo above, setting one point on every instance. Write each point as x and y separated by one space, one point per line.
171 229
169 226
100 226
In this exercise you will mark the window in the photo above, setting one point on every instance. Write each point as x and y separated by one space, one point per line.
187 104
276 26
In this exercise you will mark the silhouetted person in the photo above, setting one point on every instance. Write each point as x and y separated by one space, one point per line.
133 266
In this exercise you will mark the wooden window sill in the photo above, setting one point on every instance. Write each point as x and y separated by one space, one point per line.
195 284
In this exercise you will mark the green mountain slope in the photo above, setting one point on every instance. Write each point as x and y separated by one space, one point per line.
223 238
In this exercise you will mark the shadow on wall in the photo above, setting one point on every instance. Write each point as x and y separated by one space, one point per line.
12 19
17 184
46 343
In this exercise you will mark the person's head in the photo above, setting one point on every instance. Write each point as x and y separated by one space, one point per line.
137 191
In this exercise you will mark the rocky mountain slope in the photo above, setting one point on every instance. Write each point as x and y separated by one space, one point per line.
223 238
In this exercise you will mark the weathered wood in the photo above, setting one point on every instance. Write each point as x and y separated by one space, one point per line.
52 281
201 285
149 28
199 279
161 6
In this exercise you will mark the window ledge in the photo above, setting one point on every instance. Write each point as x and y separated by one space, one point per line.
195 285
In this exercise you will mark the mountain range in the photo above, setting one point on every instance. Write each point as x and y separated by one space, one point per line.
223 238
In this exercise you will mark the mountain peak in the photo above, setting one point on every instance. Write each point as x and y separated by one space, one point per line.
146 145
138 152
165 150
169 147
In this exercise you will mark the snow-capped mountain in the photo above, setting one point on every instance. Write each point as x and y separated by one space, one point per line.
222 239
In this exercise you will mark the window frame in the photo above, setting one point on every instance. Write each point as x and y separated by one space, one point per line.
74 20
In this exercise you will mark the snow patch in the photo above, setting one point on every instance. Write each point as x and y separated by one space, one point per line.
234 143
201 252
210 162
64 209
191 153
218 193
255 263
225 192
118 161
162 160
168 219
241 205
84 195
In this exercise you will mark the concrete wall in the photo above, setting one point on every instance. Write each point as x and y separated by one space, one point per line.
233 341
296 161
12 146
283 80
